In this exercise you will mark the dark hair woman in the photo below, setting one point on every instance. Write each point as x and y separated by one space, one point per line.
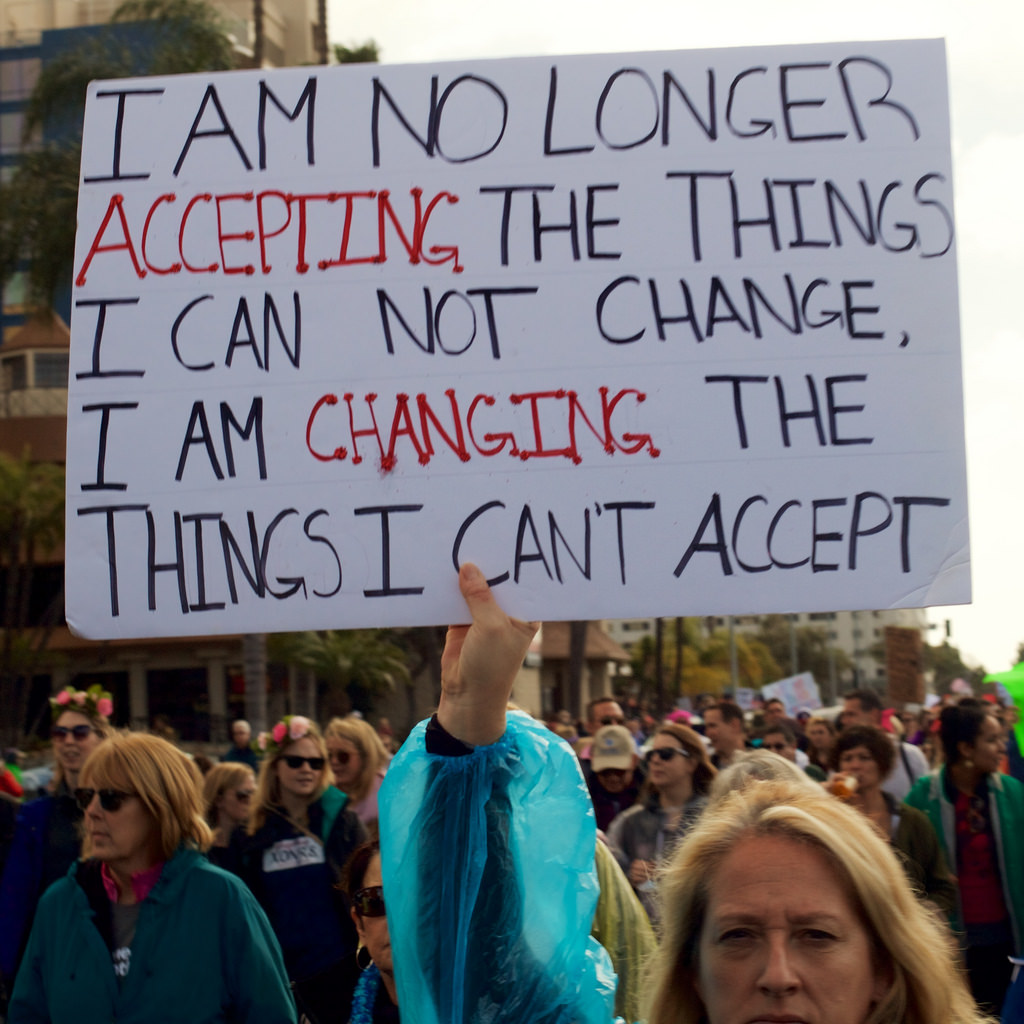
978 815
679 775
375 1000
47 835
865 754
821 738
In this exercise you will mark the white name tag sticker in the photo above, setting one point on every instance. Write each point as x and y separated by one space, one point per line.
293 853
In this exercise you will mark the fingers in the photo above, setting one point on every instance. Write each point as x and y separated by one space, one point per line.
487 613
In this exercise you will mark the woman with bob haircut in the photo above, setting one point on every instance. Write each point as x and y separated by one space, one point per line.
228 790
864 754
144 920
300 835
47 834
786 903
359 761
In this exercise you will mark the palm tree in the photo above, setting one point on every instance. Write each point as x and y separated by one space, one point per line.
345 659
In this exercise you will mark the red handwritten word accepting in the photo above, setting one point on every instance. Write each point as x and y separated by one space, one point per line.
483 429
266 216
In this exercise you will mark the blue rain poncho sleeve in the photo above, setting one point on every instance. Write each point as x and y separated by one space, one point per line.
489 879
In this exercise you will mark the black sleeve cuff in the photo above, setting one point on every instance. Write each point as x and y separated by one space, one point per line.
440 741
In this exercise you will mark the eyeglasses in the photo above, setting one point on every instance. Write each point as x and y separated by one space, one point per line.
369 902
243 795
611 720
110 799
61 732
294 761
341 756
665 754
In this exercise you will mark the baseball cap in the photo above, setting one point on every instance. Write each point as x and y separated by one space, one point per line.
613 747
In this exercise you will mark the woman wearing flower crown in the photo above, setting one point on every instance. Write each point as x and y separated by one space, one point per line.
301 833
47 836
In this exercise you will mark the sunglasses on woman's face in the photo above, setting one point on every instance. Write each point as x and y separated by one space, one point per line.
110 799
341 756
79 732
296 762
665 754
369 902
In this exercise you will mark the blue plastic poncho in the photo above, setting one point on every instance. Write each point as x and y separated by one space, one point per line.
488 865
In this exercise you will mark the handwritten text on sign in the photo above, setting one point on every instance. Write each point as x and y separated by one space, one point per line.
640 334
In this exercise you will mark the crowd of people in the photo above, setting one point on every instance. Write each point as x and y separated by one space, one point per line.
718 866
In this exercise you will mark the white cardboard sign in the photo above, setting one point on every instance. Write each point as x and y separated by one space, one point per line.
650 333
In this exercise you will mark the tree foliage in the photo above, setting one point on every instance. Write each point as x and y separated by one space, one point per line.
812 649
345 661
357 53
946 664
31 525
706 661
38 206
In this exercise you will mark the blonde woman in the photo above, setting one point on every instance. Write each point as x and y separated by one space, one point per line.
144 926
300 835
359 760
786 904
47 836
228 789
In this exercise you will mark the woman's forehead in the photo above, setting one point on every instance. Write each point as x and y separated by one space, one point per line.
69 719
305 746
373 875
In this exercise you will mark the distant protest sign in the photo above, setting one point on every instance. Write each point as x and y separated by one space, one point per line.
639 334
795 692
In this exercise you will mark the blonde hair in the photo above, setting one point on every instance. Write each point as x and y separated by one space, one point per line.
219 779
757 766
163 778
927 985
268 786
372 751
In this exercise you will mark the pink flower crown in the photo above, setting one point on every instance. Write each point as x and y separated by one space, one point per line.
93 703
288 730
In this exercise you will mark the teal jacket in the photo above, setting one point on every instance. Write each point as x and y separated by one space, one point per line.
203 952
1006 809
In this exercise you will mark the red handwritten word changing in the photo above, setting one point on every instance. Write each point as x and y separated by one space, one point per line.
481 427
208 222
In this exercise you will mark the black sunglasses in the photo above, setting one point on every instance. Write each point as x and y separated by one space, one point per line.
611 720
110 799
369 902
294 761
341 756
665 754
61 732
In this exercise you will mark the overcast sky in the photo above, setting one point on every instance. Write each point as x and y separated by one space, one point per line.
984 43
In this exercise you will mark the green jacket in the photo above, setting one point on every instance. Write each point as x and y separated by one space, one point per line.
203 952
1006 808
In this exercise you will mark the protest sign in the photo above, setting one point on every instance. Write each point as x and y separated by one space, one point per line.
795 692
659 333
